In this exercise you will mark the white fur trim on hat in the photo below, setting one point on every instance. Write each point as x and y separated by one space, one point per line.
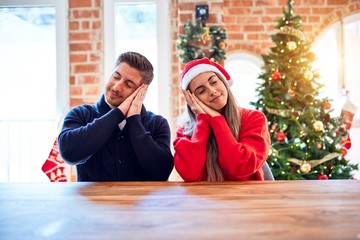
196 70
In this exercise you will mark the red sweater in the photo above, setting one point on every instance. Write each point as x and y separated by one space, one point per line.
239 160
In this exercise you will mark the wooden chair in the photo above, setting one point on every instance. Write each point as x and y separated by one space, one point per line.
267 172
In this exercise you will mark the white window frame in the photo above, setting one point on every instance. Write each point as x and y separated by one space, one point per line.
62 59
353 152
339 27
233 56
62 52
348 19
163 42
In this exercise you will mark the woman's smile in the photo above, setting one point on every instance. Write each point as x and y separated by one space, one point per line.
216 99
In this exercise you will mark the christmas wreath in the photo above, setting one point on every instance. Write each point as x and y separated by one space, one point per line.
200 41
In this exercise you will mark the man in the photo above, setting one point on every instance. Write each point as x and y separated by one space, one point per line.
117 139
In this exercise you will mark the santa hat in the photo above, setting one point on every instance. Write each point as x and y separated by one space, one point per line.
197 66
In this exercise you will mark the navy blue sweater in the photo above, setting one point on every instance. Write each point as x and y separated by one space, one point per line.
92 140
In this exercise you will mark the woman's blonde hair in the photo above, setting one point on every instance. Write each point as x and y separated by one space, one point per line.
232 116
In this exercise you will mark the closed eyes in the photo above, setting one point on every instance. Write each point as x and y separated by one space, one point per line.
128 83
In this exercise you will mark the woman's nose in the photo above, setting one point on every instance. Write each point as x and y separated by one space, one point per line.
212 90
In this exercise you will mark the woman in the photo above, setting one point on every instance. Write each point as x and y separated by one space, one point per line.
216 140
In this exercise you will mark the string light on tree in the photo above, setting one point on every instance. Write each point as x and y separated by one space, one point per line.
308 75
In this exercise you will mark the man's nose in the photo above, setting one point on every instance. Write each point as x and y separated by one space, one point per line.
119 85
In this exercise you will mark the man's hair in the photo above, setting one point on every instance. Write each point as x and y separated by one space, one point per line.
140 63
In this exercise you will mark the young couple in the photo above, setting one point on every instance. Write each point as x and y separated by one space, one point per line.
117 139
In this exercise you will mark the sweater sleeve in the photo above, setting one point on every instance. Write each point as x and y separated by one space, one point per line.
152 149
82 135
242 158
190 152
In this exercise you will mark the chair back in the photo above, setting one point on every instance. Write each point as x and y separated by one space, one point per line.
267 172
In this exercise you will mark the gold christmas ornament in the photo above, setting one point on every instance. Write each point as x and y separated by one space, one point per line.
206 36
310 56
222 45
318 126
312 163
305 168
291 46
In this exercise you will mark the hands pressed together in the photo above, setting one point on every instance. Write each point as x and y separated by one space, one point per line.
197 106
132 105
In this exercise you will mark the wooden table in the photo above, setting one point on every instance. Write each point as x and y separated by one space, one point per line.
176 210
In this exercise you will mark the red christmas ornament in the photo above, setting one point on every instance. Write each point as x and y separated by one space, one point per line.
322 176
346 142
273 127
277 100
329 167
276 76
344 152
280 136
327 117
327 105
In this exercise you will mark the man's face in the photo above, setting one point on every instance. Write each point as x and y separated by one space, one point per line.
123 81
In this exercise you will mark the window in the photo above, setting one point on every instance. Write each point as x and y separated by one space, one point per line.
32 85
338 55
141 26
244 69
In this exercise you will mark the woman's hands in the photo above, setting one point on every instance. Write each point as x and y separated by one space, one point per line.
132 104
197 106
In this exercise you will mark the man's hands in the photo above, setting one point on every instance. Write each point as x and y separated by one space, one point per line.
132 104
135 107
198 106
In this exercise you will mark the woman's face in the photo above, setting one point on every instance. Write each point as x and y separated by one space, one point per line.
210 89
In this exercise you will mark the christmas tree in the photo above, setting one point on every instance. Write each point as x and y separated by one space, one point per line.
306 139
